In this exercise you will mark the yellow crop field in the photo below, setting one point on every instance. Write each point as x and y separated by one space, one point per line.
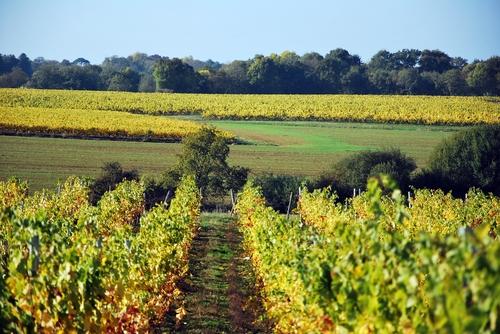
463 110
92 123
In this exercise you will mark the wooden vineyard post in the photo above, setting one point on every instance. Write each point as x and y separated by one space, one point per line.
289 205
300 194
165 201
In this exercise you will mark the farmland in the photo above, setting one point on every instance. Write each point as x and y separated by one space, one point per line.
225 167
358 108
298 148
329 269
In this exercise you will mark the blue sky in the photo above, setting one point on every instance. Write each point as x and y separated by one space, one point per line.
224 30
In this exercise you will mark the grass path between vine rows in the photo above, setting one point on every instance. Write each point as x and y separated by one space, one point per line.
219 291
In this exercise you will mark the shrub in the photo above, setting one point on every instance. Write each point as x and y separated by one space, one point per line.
471 158
112 174
277 188
155 191
354 171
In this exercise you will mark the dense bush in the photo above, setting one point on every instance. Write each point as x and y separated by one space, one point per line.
154 191
112 174
277 188
353 171
471 158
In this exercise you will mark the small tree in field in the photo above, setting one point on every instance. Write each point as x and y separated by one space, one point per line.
204 155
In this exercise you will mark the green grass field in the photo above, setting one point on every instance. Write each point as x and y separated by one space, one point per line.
297 148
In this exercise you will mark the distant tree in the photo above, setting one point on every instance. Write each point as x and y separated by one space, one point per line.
409 81
431 83
81 62
330 73
115 64
311 60
355 81
126 80
383 60
345 59
263 74
289 58
458 63
147 83
275 74
15 78
24 64
383 81
78 77
59 76
218 82
48 76
454 82
236 76
199 64
484 77
176 76
142 63
434 61
406 58
204 155
335 68
8 63
39 61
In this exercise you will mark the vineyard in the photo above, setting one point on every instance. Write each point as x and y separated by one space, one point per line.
68 266
92 124
225 167
357 108
376 264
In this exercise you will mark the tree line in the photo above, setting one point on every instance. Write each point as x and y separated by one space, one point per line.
408 71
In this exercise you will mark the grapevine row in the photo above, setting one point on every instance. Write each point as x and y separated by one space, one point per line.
92 123
339 273
69 266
